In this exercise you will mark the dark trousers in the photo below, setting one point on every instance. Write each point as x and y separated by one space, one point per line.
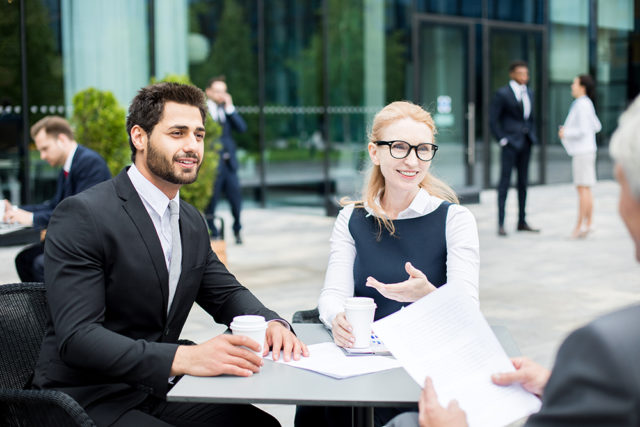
30 263
510 158
154 412
227 181
340 416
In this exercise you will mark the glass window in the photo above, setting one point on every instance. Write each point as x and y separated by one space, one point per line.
448 7
529 11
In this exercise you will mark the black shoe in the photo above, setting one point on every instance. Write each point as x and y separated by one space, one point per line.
238 238
502 232
526 227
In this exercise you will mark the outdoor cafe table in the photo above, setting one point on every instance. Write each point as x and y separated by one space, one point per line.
277 383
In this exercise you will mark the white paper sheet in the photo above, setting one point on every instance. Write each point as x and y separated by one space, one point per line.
445 336
327 359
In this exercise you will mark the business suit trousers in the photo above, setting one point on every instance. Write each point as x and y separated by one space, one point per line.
512 157
30 263
154 412
227 181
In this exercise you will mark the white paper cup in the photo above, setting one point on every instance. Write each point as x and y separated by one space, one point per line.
254 327
360 312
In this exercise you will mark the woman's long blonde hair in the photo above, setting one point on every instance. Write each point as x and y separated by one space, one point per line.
375 185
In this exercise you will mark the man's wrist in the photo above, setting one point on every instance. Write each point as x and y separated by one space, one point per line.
280 321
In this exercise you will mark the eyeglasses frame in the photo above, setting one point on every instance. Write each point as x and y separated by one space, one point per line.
411 147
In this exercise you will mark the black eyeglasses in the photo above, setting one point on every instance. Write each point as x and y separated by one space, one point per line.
401 149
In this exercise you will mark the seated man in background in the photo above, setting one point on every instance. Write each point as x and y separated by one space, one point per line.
124 263
81 169
596 377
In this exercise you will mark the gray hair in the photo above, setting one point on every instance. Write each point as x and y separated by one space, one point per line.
624 147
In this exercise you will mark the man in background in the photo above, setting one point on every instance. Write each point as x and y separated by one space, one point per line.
81 168
512 124
221 108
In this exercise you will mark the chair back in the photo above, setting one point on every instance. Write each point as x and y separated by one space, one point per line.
23 316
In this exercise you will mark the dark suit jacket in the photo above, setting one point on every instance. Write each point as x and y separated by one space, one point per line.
87 169
596 377
109 342
233 122
506 118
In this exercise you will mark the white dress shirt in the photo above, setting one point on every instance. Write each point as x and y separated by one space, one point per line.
157 205
214 110
463 253
580 127
68 162
522 95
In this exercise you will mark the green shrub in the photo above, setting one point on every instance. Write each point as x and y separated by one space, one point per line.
199 193
100 124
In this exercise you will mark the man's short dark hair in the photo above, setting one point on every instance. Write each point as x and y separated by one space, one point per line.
516 64
220 78
147 107
53 126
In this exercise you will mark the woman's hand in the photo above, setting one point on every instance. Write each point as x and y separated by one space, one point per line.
560 132
412 289
342 331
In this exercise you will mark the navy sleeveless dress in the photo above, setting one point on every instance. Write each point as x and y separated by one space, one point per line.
421 240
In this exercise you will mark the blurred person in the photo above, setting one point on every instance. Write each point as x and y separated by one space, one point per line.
595 381
407 237
221 108
82 168
124 263
512 124
578 136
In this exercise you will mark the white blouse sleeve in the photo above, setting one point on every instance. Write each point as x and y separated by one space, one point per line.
338 281
463 251
582 121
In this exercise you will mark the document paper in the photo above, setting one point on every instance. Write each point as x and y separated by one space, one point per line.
326 358
445 336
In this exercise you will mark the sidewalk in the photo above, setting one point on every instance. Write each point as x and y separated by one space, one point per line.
540 286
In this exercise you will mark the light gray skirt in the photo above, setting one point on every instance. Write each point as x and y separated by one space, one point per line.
584 169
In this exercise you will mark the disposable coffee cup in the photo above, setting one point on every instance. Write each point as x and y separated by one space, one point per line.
254 327
359 312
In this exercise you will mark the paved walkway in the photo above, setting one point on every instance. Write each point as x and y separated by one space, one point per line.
540 286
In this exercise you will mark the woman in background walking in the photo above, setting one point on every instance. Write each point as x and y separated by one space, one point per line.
578 136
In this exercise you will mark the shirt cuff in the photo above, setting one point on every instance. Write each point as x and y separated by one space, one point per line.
503 142
229 109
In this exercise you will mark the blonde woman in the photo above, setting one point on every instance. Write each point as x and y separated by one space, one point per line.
407 236
578 136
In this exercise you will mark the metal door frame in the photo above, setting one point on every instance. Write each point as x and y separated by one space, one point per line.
452 21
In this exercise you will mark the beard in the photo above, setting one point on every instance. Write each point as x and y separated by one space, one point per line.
163 167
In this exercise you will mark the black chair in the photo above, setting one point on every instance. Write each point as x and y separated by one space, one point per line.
23 313
306 316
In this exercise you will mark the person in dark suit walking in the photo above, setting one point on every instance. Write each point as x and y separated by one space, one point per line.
82 168
124 263
595 381
512 124
221 108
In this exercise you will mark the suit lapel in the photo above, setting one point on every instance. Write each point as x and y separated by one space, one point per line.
134 207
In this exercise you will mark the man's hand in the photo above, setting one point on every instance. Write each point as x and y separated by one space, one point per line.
532 376
561 132
281 338
432 414
220 355
412 289
14 215
342 331
228 100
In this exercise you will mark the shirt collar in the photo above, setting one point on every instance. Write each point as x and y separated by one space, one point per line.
151 194
517 87
422 204
67 163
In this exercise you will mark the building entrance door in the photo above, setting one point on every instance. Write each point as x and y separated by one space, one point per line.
444 52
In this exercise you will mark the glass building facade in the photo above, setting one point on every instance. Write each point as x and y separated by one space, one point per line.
308 76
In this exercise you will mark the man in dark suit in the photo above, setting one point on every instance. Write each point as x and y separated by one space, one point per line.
221 108
512 124
124 263
595 381
81 168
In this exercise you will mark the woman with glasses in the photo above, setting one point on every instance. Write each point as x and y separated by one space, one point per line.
578 136
407 237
